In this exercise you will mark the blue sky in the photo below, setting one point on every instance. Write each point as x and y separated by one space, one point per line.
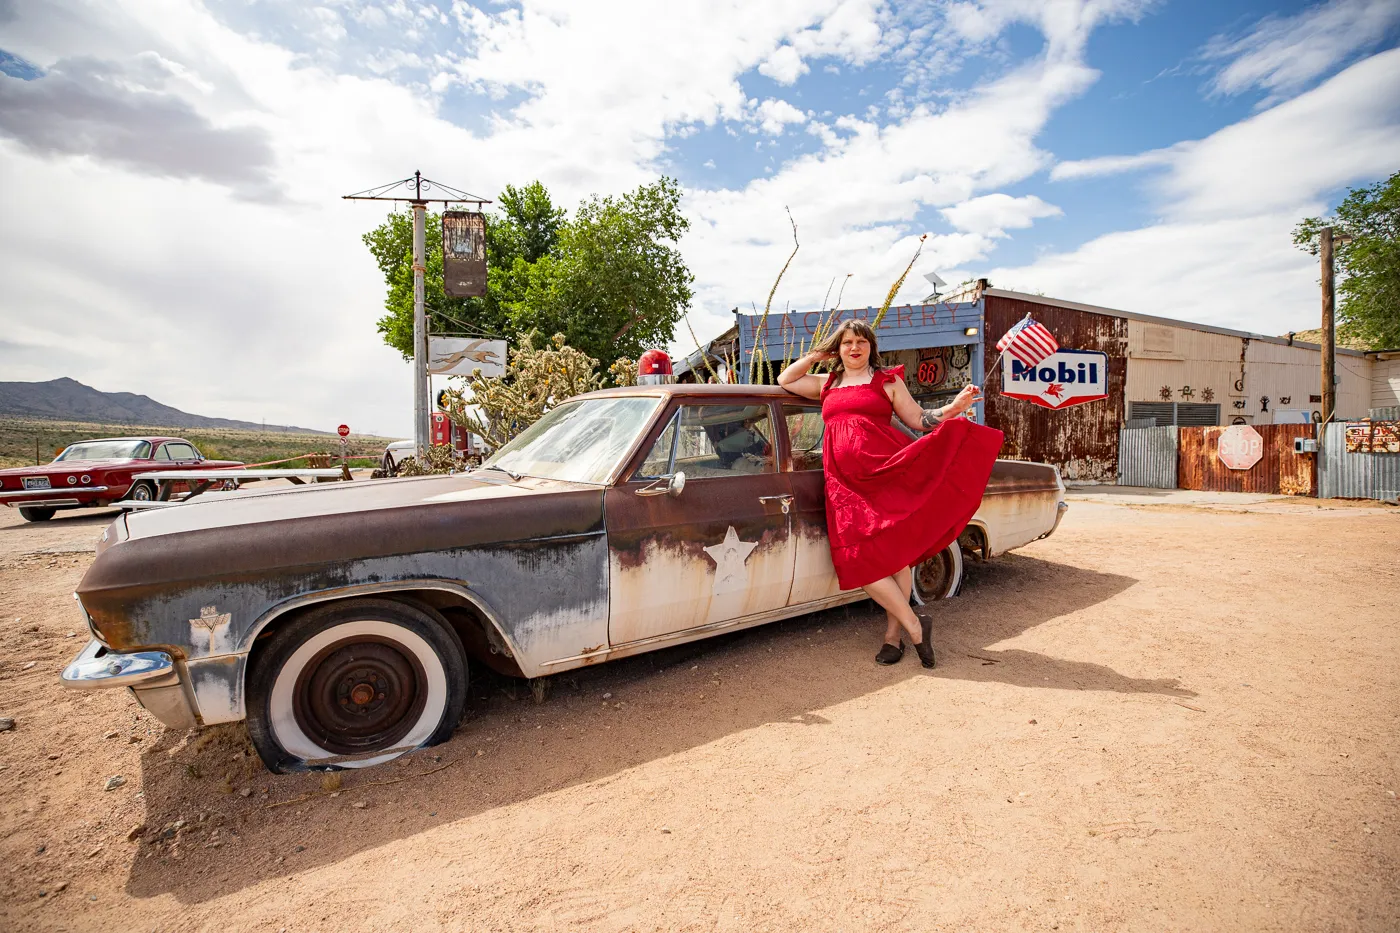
1144 155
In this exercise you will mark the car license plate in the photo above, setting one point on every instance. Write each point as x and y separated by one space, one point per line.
36 482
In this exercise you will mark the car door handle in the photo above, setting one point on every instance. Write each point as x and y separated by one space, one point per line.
785 501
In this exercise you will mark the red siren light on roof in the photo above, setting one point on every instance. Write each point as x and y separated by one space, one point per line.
654 368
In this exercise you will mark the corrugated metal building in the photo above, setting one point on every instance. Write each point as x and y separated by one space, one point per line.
1158 370
1385 380
1173 372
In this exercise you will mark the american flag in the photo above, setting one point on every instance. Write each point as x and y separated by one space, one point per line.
1028 342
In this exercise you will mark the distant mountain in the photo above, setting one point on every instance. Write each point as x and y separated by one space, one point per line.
70 400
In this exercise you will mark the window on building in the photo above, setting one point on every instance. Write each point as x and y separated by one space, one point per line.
1186 414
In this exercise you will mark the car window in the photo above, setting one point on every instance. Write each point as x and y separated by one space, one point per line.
583 441
182 452
163 453
724 440
107 450
805 430
660 459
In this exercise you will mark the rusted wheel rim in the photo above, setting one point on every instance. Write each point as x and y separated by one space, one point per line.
361 695
933 574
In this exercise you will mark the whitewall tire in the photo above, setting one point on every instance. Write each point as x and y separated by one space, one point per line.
355 684
939 577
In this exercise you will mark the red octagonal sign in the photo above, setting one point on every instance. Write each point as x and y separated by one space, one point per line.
1240 447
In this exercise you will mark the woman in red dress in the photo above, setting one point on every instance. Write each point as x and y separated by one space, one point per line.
891 503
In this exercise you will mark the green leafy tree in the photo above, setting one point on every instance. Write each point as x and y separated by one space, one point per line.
617 284
1368 267
611 279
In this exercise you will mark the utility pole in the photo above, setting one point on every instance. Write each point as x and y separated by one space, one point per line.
421 432
398 191
1329 329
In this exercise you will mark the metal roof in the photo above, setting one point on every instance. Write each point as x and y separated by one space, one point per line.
1165 321
694 388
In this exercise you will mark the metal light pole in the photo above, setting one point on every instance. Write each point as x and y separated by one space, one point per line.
1329 335
396 191
421 432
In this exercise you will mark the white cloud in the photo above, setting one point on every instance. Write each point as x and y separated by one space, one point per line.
239 309
1222 251
1110 165
1281 55
773 116
784 66
993 214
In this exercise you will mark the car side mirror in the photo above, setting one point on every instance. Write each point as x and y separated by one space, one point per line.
672 485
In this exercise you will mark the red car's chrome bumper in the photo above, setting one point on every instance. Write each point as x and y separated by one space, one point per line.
14 497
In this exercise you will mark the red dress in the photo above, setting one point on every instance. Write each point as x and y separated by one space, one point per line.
892 502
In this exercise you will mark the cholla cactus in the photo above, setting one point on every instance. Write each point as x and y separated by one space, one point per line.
535 381
623 372
438 459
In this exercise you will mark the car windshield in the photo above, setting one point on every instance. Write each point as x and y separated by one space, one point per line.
581 441
106 450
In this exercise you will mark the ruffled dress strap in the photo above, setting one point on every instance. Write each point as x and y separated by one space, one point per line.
827 386
890 374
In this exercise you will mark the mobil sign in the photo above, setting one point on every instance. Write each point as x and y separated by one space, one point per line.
1062 379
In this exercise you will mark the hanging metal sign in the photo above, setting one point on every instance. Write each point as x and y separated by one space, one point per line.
460 356
464 254
1065 378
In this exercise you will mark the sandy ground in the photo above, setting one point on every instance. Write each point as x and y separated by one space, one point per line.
1174 714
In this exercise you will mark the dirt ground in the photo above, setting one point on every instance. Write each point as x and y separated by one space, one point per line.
1174 714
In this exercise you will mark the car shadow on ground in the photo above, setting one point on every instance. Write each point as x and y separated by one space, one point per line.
217 822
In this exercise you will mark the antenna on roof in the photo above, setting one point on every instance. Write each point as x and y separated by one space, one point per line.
937 282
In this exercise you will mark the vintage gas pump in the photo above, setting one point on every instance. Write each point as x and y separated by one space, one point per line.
442 429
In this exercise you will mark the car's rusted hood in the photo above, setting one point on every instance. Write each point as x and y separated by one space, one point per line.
254 506
285 542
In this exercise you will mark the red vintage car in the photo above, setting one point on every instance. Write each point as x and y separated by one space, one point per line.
97 473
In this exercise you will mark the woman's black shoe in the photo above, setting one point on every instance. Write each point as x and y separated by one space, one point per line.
890 654
925 647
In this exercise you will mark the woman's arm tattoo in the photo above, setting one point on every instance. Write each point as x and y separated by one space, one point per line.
931 418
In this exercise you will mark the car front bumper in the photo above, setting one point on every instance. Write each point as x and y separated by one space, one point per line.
153 677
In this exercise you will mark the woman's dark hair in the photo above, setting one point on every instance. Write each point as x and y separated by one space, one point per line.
832 344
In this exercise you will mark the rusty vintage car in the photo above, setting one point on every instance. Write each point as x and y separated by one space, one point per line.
338 620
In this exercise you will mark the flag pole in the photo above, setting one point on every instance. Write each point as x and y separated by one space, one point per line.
996 367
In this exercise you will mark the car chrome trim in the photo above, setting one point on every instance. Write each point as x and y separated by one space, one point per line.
60 490
41 503
97 668
1060 511
712 628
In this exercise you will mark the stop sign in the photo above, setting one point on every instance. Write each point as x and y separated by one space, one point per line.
343 430
1240 447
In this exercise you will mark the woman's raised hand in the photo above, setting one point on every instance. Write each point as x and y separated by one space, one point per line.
969 396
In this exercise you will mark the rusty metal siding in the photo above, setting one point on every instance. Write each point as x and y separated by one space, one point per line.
1280 471
1355 476
1082 440
1147 457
